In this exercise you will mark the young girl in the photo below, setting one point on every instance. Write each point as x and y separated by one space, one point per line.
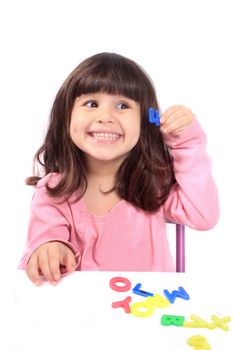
109 179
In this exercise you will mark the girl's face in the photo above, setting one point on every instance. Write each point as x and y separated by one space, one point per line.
105 127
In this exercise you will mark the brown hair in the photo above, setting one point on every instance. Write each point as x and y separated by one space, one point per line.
146 176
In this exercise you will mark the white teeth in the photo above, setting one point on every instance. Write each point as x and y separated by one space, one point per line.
104 136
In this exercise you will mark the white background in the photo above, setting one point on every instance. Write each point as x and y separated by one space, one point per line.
185 46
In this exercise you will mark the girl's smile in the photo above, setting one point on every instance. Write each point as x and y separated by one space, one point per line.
105 127
103 137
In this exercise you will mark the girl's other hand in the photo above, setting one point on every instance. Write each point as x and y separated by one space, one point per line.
176 119
47 258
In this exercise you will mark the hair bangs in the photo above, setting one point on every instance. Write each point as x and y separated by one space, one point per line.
113 76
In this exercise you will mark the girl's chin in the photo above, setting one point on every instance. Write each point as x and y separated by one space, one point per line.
106 158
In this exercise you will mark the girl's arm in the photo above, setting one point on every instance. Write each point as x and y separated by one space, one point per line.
49 222
194 201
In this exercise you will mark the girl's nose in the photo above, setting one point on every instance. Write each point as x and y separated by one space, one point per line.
105 121
105 117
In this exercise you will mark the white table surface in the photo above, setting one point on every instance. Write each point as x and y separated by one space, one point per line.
77 313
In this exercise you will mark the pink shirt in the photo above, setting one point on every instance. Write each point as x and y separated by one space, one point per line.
127 238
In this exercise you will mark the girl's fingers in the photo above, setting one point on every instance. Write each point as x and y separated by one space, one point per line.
69 259
175 126
54 262
176 119
169 112
44 265
32 271
47 259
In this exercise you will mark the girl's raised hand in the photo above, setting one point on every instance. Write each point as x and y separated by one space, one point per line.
175 119
47 258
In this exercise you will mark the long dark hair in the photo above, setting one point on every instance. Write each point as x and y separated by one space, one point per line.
146 176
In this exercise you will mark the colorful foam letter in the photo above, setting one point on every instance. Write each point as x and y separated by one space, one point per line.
158 301
198 342
197 322
180 293
168 320
124 304
126 284
154 116
219 322
142 309
138 291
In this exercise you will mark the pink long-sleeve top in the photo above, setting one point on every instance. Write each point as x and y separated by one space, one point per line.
127 238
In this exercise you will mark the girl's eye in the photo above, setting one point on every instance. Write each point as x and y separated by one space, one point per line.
122 105
91 104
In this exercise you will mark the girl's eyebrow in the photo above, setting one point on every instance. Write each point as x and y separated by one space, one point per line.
122 98
84 97
94 96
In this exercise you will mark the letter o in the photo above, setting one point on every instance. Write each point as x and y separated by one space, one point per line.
126 284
